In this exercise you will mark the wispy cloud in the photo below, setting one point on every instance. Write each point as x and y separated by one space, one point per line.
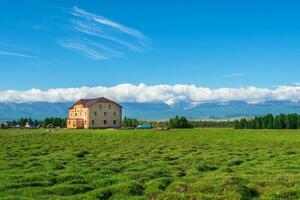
104 21
106 38
169 94
8 53
84 49
93 30
233 75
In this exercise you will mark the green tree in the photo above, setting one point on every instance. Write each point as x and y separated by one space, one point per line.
282 121
270 121
178 122
276 122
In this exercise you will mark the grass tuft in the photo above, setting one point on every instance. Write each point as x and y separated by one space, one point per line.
206 168
81 154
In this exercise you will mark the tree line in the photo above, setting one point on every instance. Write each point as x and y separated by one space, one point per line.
281 121
269 121
130 122
45 123
178 122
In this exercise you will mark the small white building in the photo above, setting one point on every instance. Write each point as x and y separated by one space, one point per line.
3 124
29 124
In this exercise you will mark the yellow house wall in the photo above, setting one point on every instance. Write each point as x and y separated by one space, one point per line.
71 124
78 112
96 113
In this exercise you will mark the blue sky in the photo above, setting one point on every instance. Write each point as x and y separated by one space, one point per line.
54 44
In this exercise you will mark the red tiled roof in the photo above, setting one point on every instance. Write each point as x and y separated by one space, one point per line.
90 102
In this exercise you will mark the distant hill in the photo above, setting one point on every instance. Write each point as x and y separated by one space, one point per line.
40 110
156 111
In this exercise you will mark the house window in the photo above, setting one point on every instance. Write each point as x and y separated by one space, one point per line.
115 113
74 124
115 122
105 113
69 122
85 122
75 114
100 106
93 122
109 106
104 122
95 113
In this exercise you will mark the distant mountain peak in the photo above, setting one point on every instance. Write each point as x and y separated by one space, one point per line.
158 110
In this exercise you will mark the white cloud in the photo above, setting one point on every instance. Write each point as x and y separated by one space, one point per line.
104 21
8 53
169 94
84 49
94 30
109 38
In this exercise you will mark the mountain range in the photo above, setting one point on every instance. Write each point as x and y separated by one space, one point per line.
157 111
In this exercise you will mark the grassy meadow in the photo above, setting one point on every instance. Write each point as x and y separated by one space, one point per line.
150 164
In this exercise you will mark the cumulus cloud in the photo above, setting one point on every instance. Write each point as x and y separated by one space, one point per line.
142 93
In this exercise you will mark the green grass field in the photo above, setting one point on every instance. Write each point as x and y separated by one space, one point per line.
150 164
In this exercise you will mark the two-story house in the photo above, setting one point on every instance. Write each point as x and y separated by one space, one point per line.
95 113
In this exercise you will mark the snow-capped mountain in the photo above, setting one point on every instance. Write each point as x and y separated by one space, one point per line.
156 111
